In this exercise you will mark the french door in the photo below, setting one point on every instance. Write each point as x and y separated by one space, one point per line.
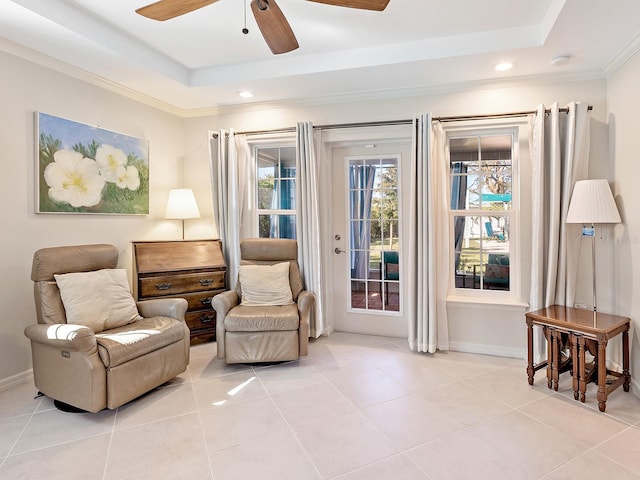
368 238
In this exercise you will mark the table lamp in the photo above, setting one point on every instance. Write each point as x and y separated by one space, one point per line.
181 205
592 203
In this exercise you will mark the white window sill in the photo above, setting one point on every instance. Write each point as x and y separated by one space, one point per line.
459 300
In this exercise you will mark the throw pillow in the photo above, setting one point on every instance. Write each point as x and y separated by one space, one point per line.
100 300
263 285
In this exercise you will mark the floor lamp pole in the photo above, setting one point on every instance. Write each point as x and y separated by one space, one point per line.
593 269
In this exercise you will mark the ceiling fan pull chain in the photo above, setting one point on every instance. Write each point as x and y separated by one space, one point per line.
245 30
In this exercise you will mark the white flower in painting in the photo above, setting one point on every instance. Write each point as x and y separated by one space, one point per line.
74 179
110 159
127 177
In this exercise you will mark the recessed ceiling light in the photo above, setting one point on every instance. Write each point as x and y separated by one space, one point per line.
560 60
245 94
503 67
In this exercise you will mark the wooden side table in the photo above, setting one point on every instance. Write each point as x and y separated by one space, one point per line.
582 327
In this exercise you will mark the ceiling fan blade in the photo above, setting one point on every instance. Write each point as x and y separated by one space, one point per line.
377 5
166 9
274 26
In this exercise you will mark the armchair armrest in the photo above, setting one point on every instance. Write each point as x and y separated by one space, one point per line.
222 303
306 301
163 307
225 301
64 336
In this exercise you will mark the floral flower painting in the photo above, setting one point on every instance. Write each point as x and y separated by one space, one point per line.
86 169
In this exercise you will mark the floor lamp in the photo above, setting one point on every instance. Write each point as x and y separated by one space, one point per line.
592 203
181 205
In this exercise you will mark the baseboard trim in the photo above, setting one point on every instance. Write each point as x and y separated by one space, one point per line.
16 379
483 349
635 387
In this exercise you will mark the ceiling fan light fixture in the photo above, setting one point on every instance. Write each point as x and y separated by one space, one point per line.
560 60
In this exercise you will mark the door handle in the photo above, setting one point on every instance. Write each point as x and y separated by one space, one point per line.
338 251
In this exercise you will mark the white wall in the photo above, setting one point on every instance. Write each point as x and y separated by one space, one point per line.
25 88
484 329
622 169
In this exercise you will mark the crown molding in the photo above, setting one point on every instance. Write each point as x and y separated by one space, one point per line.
352 97
623 56
418 91
59 66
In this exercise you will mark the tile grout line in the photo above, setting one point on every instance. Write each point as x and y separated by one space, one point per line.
275 404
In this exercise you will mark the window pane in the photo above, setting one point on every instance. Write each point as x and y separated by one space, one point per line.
481 172
266 193
391 234
376 233
277 226
276 191
481 252
287 194
267 163
464 149
496 167
264 226
360 264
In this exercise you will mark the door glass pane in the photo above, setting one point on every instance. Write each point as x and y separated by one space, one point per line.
374 233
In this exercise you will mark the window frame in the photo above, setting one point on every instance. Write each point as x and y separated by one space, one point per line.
278 144
514 128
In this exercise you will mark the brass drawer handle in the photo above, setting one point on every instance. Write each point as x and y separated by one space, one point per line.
163 286
205 282
206 301
207 318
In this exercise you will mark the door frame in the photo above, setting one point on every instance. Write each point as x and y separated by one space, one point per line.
359 137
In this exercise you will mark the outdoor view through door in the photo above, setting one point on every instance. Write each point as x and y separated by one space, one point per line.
481 183
374 235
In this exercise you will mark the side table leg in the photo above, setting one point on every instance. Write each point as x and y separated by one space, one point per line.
602 374
549 334
530 370
582 368
574 364
555 357
625 360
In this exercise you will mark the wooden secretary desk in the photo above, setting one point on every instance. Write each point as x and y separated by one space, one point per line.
191 269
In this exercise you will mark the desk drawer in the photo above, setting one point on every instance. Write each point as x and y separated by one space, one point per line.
201 319
164 285
199 300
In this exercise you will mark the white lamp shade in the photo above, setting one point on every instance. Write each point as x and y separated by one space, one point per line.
181 204
592 202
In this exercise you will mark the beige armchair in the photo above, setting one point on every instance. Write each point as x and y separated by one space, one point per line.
264 333
82 356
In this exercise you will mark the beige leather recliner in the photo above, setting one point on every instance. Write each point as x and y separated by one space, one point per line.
92 371
253 334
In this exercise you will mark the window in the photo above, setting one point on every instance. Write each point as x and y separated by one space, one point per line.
276 192
482 209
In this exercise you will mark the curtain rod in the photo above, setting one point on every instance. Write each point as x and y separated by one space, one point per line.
400 122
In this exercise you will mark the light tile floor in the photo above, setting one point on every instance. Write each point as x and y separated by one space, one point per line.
357 408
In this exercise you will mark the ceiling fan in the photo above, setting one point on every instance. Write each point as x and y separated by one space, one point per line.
272 23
